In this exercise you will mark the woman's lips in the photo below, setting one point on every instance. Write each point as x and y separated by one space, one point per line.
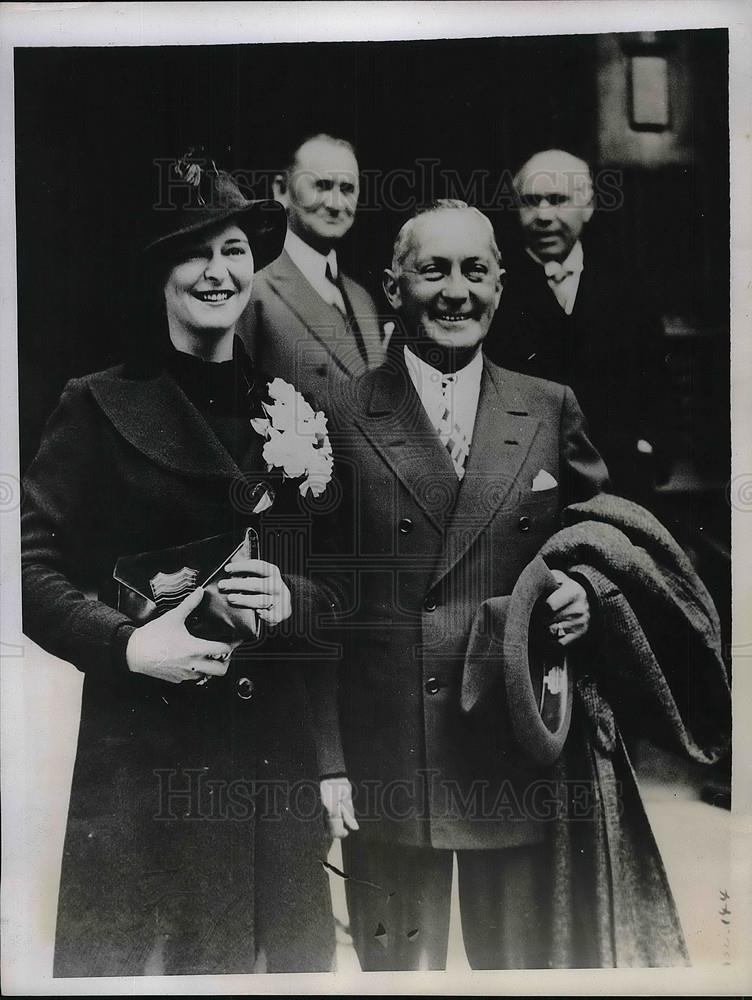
214 298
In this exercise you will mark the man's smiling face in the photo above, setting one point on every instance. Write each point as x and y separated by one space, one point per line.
448 285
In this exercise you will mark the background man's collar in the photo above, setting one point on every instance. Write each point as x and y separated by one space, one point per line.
574 261
306 258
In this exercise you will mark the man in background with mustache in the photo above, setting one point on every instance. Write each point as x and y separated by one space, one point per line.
307 322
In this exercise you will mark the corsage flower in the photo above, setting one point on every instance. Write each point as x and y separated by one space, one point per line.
296 438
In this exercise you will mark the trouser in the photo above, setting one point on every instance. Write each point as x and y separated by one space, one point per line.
399 901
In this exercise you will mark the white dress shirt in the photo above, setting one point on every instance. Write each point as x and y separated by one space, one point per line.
461 394
564 278
313 264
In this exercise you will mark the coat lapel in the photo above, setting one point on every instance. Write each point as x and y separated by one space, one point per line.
365 315
324 321
156 417
398 427
502 437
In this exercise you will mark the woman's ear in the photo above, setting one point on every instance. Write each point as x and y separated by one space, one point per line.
390 284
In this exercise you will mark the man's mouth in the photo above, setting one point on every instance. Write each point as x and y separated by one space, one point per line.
215 298
453 317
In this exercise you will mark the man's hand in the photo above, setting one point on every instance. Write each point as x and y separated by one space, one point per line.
570 610
336 794
165 649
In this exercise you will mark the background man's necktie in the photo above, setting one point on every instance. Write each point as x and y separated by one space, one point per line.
342 303
557 274
452 436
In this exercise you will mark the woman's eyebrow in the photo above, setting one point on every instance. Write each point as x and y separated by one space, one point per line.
236 239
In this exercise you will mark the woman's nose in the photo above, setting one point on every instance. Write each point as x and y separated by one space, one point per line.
216 268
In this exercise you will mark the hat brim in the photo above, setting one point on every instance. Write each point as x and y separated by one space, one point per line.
264 221
511 668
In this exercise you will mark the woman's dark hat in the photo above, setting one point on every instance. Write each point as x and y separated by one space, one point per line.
514 677
193 194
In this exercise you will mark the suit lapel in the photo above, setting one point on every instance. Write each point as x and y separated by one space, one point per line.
502 437
365 315
324 321
156 417
398 427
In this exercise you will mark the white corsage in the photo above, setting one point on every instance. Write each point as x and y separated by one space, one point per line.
296 438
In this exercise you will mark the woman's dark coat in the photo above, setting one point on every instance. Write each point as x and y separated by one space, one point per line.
195 836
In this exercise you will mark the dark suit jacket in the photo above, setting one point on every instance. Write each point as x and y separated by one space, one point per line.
291 331
424 552
609 351
128 465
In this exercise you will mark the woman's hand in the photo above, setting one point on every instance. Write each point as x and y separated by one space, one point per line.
253 583
571 610
165 649
336 794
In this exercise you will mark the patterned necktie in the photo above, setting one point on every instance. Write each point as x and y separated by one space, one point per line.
341 302
452 436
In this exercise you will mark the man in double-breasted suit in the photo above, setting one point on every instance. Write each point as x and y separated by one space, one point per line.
574 312
460 470
308 321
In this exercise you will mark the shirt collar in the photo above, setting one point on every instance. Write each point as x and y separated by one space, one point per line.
574 261
308 260
424 374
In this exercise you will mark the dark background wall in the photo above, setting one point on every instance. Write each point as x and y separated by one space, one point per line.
429 119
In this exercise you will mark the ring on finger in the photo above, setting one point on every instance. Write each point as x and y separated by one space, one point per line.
561 630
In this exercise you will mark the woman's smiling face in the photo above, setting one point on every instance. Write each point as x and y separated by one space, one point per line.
210 285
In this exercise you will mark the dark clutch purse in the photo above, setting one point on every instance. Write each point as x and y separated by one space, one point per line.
151 583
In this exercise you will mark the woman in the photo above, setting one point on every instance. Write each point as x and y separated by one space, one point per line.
195 836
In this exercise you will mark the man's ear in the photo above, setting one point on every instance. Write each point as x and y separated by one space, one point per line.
587 212
499 287
390 284
279 187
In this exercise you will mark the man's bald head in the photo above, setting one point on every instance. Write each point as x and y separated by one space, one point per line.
555 194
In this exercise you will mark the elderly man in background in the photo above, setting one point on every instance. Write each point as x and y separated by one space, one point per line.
572 314
307 321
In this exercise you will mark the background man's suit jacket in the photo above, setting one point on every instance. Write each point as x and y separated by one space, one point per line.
424 552
609 351
291 331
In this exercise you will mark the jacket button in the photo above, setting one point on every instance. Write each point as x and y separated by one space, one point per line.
524 523
244 688
432 685
429 604
405 526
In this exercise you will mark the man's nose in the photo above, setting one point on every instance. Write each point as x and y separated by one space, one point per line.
333 200
454 286
545 211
